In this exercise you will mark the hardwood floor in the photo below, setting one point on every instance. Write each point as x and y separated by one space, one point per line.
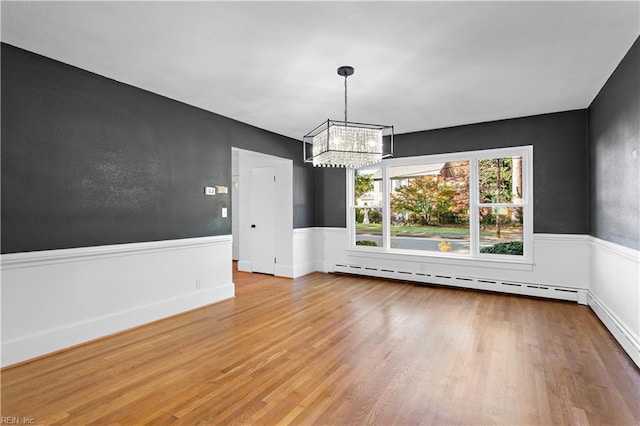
332 349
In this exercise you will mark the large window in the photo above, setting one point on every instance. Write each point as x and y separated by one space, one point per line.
470 205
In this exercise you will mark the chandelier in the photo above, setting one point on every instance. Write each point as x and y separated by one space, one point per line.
344 144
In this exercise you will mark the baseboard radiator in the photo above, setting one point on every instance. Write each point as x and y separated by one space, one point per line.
525 289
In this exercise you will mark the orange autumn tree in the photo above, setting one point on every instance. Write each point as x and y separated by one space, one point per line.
431 199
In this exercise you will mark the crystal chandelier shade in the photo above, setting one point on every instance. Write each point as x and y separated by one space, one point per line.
353 145
344 144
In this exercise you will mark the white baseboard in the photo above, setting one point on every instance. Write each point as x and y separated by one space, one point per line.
617 328
283 271
304 269
59 298
245 266
279 270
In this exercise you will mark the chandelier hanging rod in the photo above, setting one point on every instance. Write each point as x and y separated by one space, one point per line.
345 71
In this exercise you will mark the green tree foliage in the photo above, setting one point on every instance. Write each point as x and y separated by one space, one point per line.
496 185
495 180
434 199
511 247
363 184
366 243
418 197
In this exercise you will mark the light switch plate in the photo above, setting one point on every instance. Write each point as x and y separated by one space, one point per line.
209 190
224 212
222 189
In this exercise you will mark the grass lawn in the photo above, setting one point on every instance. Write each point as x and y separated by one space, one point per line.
429 231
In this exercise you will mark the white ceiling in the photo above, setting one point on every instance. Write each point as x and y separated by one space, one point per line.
419 65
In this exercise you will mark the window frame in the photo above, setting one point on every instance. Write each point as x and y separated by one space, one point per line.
526 152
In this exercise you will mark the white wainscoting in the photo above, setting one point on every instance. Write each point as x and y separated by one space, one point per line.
559 260
331 244
304 251
59 298
614 292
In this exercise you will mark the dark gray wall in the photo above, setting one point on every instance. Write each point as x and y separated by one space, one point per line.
330 197
89 161
560 165
614 146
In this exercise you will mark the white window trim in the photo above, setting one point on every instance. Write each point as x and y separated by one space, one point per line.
526 152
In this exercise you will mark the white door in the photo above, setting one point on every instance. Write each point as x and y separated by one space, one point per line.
263 219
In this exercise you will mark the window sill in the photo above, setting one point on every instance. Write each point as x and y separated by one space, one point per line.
501 262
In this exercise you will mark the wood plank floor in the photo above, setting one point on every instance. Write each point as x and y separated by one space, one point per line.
331 349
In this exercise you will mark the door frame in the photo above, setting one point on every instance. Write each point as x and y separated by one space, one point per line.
247 160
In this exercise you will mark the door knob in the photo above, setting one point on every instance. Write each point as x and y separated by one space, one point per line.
253 226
